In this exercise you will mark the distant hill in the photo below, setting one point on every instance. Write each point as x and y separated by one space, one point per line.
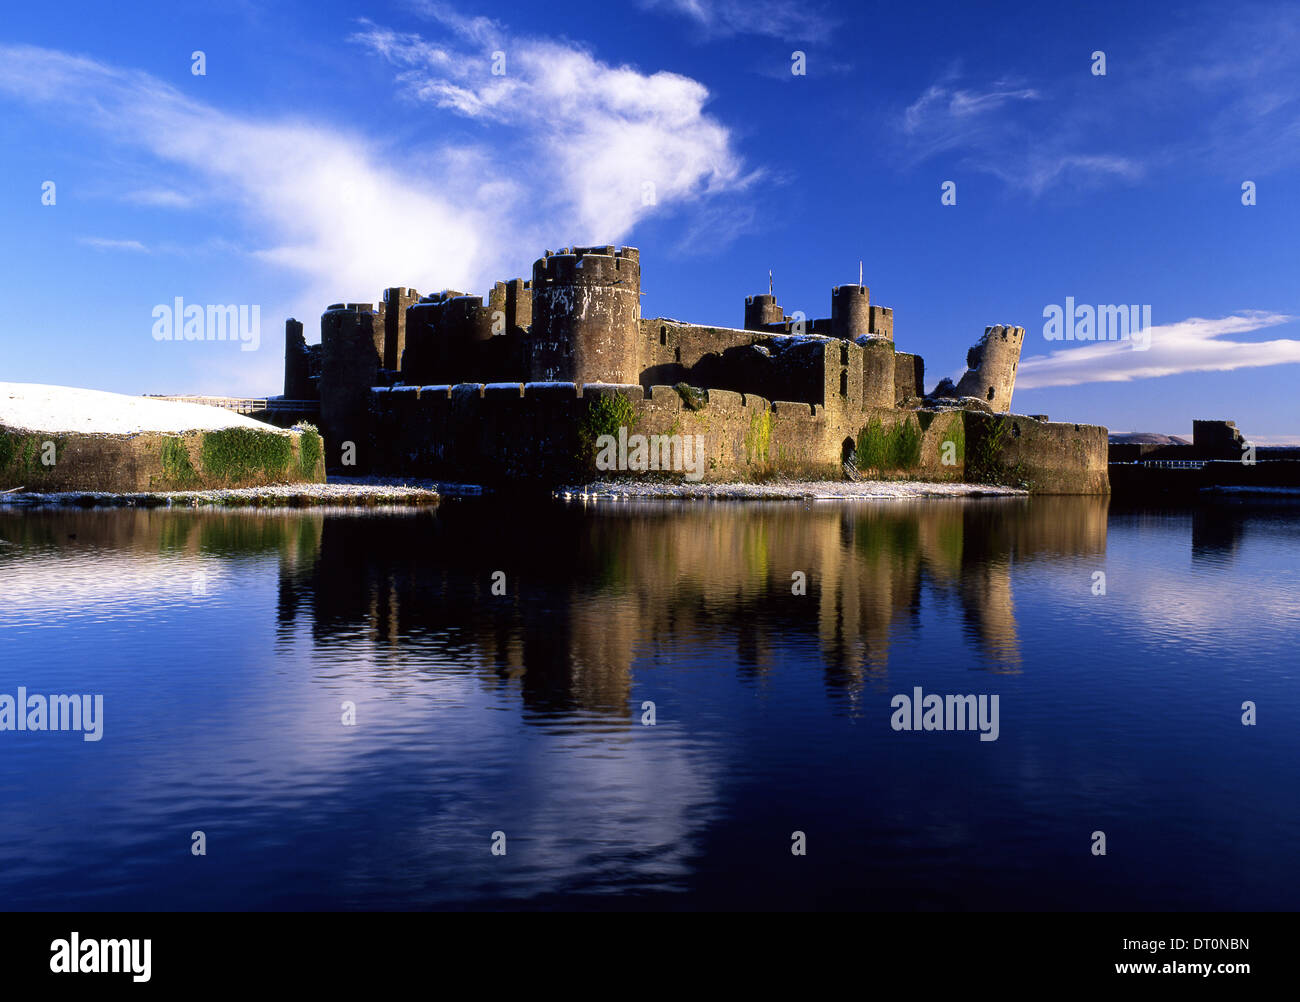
1146 438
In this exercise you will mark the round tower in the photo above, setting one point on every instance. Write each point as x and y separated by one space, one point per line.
761 311
586 316
991 367
850 311
352 353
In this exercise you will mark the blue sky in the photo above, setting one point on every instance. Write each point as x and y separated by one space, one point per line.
332 149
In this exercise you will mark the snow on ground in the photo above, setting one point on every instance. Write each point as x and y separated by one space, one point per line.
787 489
298 495
38 407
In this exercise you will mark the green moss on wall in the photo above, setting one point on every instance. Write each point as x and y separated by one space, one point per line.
956 434
27 455
605 416
176 464
694 398
898 448
758 438
237 454
985 464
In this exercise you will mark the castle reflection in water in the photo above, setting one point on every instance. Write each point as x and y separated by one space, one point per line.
592 592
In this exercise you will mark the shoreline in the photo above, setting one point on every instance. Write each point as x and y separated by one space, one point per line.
783 490
377 491
271 496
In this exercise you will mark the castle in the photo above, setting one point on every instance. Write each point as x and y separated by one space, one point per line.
449 386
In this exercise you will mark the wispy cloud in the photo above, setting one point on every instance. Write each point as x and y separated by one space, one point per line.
1226 108
601 146
160 197
1191 345
786 19
991 128
577 140
104 243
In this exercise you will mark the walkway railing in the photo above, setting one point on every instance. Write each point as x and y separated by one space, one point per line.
246 405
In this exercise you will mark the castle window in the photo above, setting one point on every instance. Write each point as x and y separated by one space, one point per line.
844 353
663 335
844 384
677 355
990 393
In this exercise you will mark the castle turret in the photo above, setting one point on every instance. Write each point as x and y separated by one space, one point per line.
586 316
352 353
762 312
295 361
850 311
519 304
991 367
396 301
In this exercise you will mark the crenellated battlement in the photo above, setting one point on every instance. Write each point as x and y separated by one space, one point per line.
458 374
588 266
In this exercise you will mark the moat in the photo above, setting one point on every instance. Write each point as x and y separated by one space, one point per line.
226 643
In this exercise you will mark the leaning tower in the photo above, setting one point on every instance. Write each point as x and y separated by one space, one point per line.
991 367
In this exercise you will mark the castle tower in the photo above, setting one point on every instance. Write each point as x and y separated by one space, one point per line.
352 353
586 316
466 323
296 386
761 312
519 304
396 301
850 311
991 367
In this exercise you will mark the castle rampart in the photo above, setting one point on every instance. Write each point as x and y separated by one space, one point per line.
574 332
472 432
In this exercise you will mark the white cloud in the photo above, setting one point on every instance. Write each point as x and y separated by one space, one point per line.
313 196
350 217
598 146
104 243
1191 345
160 197
1232 110
787 19
988 128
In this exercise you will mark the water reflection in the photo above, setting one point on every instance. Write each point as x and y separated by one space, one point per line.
599 589
520 711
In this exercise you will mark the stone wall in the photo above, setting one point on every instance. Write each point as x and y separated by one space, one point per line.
502 433
909 376
155 461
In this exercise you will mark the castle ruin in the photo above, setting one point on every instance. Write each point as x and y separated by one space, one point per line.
449 386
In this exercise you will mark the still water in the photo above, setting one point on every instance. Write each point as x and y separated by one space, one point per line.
226 645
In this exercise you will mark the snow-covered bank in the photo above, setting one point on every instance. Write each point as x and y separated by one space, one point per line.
38 407
278 495
794 490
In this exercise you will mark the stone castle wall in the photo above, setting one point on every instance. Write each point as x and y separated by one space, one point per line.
545 433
